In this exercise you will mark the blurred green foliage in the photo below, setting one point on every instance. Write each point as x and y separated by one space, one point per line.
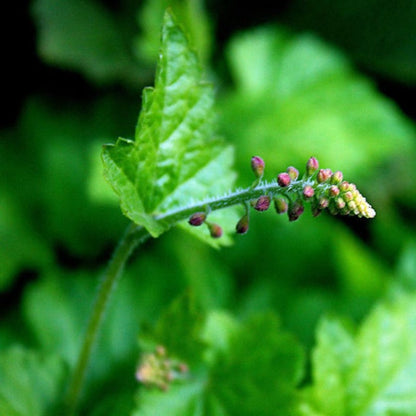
283 95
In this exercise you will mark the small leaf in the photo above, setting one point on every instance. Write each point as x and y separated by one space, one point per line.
174 141
30 383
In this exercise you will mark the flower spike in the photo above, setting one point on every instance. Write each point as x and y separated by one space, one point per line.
321 188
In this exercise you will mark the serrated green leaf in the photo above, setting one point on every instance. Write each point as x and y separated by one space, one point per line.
174 140
371 373
30 383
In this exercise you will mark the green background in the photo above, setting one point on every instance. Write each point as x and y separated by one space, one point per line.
335 80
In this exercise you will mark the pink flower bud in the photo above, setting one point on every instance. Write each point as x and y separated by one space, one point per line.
312 166
295 211
280 204
257 165
283 179
334 190
242 225
308 192
293 173
323 203
262 204
343 186
197 219
323 175
215 230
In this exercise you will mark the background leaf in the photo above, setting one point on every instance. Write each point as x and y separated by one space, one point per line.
30 383
85 36
371 373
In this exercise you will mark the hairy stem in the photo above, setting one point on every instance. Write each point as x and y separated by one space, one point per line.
236 198
132 237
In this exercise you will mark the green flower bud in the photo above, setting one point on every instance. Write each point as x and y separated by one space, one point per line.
336 177
293 173
348 196
340 203
283 179
343 186
280 205
312 166
257 165
197 219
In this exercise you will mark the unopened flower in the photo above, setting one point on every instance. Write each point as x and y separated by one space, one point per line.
340 203
353 203
280 205
312 166
215 230
323 175
323 203
158 370
334 190
343 186
308 192
293 173
336 177
283 179
295 211
197 219
257 165
262 203
242 225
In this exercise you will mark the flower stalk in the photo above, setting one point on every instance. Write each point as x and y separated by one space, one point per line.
322 189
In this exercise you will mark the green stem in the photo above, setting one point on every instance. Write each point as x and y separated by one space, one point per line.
236 198
132 237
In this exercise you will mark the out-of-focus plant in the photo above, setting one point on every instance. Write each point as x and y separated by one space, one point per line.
176 172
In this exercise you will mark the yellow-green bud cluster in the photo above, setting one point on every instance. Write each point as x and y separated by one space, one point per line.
349 201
